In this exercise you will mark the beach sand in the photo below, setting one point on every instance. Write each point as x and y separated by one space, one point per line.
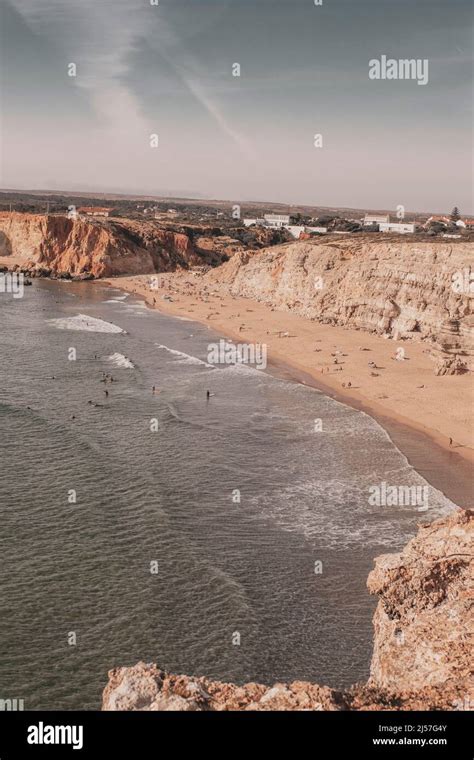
417 408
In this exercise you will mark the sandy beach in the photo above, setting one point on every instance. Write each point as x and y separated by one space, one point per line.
398 393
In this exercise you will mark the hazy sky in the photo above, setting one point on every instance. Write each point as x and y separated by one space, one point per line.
167 69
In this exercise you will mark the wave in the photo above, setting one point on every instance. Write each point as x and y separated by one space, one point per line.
244 369
121 361
85 323
184 358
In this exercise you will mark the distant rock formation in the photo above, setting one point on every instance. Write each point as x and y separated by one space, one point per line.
421 658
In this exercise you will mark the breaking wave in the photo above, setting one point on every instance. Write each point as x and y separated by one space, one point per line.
121 361
184 358
85 323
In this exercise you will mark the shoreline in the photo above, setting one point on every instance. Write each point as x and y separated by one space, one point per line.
433 461
448 469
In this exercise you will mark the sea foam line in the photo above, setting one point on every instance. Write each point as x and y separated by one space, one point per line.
184 358
85 323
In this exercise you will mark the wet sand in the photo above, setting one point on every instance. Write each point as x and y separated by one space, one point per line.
444 468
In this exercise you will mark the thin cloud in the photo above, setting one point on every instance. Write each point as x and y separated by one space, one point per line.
100 39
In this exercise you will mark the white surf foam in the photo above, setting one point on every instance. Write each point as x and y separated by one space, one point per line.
121 361
85 323
184 358
243 369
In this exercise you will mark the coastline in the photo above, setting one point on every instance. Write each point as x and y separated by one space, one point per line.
449 469
445 469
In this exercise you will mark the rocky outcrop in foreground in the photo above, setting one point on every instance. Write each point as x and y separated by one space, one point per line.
423 622
421 658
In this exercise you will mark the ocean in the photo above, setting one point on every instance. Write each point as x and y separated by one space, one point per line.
228 536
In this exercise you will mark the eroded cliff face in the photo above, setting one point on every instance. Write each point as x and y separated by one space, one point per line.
401 289
99 248
423 623
421 658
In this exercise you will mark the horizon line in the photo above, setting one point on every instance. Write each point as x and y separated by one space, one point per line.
198 199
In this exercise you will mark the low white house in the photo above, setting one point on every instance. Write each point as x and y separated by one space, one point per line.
276 220
376 219
94 211
400 227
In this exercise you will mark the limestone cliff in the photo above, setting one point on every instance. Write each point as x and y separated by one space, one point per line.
58 245
421 658
405 289
423 622
402 289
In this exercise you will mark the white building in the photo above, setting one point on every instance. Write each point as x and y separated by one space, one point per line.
321 230
249 222
276 220
94 211
374 219
396 227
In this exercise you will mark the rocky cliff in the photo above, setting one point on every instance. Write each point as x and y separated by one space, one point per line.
421 658
405 289
402 289
60 246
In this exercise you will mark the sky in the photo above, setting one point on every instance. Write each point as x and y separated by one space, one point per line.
167 70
